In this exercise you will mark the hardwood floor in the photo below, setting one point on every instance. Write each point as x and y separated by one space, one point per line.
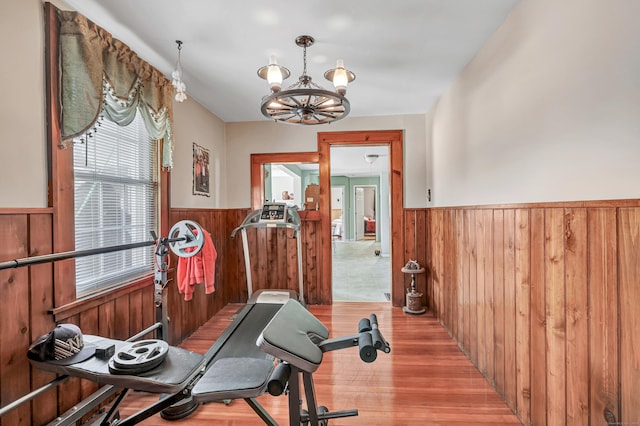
425 380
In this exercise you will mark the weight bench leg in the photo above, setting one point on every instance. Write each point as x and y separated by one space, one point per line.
310 394
260 411
294 397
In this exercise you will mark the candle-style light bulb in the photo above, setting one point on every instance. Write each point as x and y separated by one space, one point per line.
274 75
340 79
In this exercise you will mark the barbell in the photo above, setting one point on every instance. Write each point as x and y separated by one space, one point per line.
186 239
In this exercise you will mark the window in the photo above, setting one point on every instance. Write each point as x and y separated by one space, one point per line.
116 185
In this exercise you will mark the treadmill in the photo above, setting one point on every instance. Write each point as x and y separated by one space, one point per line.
271 215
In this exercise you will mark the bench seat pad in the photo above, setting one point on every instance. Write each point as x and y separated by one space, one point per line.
232 378
292 336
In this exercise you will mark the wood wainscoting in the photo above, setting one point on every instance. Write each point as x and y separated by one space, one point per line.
27 310
543 299
27 307
26 295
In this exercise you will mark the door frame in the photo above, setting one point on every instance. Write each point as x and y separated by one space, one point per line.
394 140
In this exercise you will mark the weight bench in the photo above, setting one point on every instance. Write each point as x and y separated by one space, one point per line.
233 367
241 364
298 340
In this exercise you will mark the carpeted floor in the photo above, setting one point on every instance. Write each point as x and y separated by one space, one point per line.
358 274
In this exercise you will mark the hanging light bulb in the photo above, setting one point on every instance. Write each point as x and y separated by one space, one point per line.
176 75
274 74
340 79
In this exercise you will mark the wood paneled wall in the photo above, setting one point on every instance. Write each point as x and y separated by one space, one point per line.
25 296
25 313
544 300
28 300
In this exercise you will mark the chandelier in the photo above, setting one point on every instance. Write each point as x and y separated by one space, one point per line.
176 78
305 102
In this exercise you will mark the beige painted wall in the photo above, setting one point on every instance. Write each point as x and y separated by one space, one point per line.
549 109
23 163
243 139
193 123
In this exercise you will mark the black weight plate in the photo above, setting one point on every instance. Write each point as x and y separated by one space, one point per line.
139 357
132 371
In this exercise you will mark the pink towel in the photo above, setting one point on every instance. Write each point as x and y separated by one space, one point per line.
198 269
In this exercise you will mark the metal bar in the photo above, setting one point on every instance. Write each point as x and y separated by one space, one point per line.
114 408
145 331
294 397
337 343
78 411
247 262
310 394
33 260
300 272
153 409
28 397
261 412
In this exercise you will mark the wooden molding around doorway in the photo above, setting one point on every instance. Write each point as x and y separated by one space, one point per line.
394 140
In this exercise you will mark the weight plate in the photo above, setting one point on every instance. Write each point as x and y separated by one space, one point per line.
139 357
191 235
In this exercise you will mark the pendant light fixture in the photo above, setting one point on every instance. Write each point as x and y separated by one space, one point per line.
176 76
305 102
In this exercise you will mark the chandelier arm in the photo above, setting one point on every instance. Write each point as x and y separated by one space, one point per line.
321 103
282 100
282 103
282 113
296 101
328 114
326 119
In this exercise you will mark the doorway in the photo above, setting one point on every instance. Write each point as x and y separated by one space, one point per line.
393 139
360 272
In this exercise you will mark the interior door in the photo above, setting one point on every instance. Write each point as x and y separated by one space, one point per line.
359 212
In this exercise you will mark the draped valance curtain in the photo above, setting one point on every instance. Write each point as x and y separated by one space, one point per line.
101 74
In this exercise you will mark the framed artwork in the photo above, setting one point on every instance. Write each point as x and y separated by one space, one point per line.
200 170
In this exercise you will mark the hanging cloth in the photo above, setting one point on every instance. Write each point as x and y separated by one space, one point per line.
99 72
198 269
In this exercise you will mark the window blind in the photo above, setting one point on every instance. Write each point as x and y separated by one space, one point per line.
115 176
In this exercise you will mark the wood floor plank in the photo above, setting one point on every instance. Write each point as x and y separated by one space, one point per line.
425 380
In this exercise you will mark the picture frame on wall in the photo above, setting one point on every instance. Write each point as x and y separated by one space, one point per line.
201 172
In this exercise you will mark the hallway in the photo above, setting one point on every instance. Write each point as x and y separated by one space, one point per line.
358 274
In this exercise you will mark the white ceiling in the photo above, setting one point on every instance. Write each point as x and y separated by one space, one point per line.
404 53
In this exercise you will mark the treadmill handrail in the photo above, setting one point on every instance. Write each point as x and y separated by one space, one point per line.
253 221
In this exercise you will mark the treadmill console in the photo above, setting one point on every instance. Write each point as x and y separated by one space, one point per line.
274 213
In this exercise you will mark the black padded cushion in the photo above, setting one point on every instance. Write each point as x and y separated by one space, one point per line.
231 378
292 336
